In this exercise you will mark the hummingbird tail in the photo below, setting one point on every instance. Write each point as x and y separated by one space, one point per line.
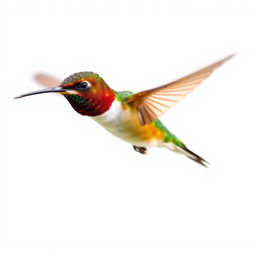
194 156
187 152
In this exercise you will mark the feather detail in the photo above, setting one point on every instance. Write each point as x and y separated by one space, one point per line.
151 104
46 80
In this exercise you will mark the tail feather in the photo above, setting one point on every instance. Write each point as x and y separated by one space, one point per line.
182 149
195 157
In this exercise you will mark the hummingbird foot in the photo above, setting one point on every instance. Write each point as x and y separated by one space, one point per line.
141 150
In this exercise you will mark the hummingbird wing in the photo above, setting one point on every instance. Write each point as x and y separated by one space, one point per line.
151 104
47 80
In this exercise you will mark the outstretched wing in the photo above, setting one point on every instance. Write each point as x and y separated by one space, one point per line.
47 80
153 103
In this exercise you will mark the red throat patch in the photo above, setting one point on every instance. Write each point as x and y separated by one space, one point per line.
89 94
91 105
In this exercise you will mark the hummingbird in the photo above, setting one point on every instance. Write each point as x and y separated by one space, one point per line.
132 117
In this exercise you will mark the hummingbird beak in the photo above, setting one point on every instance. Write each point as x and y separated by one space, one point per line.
54 89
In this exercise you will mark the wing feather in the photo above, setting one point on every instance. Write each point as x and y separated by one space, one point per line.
47 80
151 104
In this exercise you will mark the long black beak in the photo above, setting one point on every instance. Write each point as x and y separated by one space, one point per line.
55 89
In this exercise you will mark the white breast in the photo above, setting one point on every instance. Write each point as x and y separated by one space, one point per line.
114 119
111 117
117 121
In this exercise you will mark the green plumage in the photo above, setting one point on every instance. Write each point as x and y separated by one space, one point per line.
80 75
168 136
123 96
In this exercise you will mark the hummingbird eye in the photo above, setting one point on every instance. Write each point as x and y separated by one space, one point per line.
83 86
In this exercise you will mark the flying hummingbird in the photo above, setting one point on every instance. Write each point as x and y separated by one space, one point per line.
130 117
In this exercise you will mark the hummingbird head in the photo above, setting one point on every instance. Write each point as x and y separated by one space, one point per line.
87 93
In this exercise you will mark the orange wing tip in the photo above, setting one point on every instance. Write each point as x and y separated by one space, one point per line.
229 57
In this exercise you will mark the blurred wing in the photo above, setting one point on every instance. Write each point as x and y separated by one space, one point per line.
47 80
151 104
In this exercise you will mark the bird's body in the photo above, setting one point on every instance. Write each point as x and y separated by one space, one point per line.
130 117
122 121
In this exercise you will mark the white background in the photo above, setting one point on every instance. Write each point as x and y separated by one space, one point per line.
70 188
